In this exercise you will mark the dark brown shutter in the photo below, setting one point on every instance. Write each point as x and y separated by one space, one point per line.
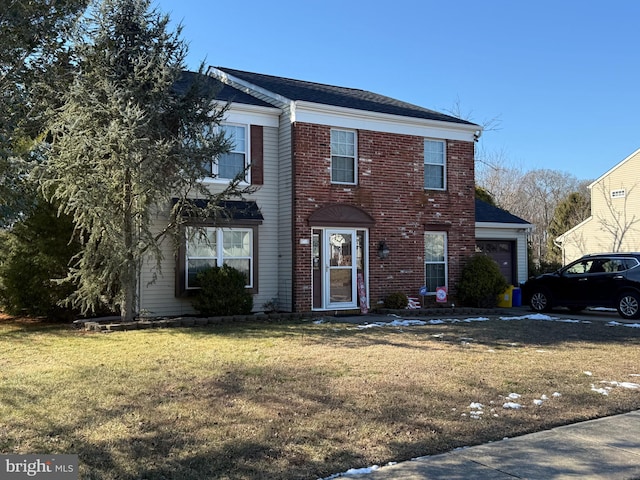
257 155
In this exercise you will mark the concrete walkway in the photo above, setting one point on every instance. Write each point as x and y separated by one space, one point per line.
606 448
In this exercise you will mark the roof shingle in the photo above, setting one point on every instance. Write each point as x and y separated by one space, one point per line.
339 96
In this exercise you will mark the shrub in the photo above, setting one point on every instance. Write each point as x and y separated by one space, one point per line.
396 300
222 292
481 282
34 255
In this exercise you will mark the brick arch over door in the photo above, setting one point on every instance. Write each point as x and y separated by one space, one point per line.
339 214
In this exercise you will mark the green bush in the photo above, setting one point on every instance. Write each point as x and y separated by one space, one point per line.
396 301
481 282
34 255
222 292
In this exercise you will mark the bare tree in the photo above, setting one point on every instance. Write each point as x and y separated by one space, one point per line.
618 219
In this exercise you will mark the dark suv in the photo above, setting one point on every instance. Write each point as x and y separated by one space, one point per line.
599 280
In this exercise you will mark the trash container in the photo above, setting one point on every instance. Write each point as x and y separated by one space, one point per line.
505 299
516 298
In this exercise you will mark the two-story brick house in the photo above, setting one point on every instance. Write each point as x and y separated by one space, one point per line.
357 195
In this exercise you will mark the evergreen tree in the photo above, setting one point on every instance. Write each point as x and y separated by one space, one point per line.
34 254
33 36
569 212
124 144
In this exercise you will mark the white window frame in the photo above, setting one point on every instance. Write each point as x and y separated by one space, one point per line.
355 156
215 171
432 288
621 193
442 164
219 258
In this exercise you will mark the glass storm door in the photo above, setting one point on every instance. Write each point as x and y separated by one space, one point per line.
340 269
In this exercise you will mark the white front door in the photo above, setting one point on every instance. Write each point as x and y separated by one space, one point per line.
340 268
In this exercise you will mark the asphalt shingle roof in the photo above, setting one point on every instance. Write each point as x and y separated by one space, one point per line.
339 96
223 92
489 214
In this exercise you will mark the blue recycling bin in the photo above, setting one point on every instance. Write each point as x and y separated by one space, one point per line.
516 297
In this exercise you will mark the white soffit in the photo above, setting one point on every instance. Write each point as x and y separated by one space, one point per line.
252 115
382 122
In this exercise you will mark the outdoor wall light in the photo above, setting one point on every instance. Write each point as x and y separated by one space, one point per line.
383 250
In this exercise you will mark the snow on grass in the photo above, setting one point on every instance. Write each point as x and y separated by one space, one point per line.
477 409
402 322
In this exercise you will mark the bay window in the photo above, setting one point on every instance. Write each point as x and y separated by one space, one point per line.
210 247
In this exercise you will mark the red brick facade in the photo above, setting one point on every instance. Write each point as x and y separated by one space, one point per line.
390 189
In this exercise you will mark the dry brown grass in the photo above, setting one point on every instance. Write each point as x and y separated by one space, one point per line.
296 400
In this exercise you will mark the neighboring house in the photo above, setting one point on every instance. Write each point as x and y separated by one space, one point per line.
503 237
358 195
614 224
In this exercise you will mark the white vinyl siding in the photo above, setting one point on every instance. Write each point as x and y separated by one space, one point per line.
157 289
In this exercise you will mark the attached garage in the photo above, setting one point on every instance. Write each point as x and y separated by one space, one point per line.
503 237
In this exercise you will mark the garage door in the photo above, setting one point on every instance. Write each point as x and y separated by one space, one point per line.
502 251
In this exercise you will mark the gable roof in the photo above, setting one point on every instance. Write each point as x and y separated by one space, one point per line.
299 90
615 167
486 213
220 90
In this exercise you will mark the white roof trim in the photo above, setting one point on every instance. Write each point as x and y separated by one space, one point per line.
252 114
510 226
310 112
615 167
560 238
244 86
367 120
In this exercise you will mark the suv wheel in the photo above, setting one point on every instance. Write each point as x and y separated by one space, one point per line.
629 305
540 301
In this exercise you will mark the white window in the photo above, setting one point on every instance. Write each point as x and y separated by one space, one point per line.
229 165
216 247
343 157
435 260
618 193
434 165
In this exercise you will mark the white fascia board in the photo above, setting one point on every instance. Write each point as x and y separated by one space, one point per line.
246 87
382 122
510 226
252 114
615 167
560 238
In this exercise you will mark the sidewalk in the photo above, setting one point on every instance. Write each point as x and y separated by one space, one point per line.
606 448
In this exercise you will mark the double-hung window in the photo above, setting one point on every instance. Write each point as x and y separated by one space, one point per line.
434 165
212 247
343 156
233 163
435 260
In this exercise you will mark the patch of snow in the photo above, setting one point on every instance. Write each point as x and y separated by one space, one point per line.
513 396
556 394
602 391
476 406
624 384
512 405
588 373
537 402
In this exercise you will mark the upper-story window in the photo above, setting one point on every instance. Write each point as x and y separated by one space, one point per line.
435 166
343 156
234 163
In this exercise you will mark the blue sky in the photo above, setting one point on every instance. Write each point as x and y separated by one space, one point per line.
562 76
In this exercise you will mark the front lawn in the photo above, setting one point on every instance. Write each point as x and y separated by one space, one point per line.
300 400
